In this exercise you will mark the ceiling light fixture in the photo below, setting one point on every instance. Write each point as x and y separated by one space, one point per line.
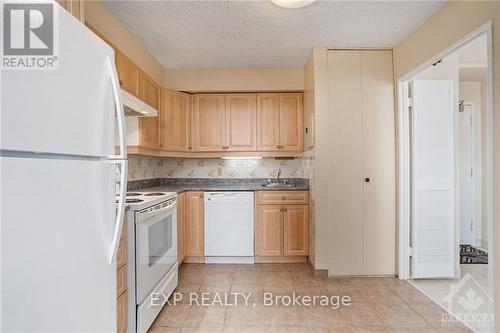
292 4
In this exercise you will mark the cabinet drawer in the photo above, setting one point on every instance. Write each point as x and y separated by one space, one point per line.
121 257
121 280
282 197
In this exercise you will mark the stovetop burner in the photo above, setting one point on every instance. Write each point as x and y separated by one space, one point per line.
132 194
154 194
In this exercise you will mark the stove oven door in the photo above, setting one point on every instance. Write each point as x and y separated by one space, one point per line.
156 246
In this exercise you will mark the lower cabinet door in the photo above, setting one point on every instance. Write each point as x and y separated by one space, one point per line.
295 220
194 224
269 230
122 313
181 224
121 280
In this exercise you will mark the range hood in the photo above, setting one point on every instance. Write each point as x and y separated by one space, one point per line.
134 107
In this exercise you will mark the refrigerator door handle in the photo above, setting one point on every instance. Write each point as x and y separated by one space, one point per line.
120 211
119 110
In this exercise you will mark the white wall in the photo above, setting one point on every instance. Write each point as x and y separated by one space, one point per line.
241 80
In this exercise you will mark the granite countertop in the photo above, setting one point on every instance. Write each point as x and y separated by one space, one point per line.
180 185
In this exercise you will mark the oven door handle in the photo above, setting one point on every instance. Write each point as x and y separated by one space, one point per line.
147 215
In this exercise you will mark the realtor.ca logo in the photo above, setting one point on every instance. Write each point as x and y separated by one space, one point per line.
29 35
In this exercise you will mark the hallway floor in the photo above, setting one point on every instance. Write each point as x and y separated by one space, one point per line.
438 289
377 304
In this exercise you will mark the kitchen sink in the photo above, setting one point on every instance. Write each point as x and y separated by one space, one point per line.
277 185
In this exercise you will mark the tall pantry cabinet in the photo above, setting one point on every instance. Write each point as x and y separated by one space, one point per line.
362 146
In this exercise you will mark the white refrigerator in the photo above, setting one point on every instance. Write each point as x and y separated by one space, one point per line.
60 214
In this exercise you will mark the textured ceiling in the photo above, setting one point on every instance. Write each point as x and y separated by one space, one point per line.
258 34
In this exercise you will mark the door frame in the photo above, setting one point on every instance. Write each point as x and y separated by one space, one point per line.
473 153
403 153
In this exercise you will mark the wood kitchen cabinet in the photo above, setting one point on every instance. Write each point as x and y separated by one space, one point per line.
240 122
295 230
181 227
75 7
149 127
121 323
215 125
291 122
269 230
194 224
149 91
175 121
224 122
280 122
268 121
208 122
121 280
282 224
128 73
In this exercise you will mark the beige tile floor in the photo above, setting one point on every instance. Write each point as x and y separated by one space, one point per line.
378 304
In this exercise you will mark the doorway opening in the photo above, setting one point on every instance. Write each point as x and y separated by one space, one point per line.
446 180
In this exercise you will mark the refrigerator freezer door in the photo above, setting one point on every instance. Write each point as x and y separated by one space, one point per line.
70 110
57 224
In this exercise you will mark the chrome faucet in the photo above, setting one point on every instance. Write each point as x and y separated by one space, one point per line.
278 177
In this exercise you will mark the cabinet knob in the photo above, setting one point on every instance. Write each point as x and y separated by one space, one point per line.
283 198
286 209
367 180
120 82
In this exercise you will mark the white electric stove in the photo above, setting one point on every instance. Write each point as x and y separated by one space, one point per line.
152 255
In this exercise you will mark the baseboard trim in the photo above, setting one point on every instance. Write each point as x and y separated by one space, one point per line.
317 273
194 260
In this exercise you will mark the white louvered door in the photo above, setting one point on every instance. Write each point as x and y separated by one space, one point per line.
433 217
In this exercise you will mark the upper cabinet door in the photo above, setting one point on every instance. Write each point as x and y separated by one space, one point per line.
149 91
174 121
75 7
128 74
268 122
241 118
149 127
209 122
291 122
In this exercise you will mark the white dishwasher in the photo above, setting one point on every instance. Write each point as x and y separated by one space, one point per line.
229 227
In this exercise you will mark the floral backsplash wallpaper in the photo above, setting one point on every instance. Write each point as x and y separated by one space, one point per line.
146 167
